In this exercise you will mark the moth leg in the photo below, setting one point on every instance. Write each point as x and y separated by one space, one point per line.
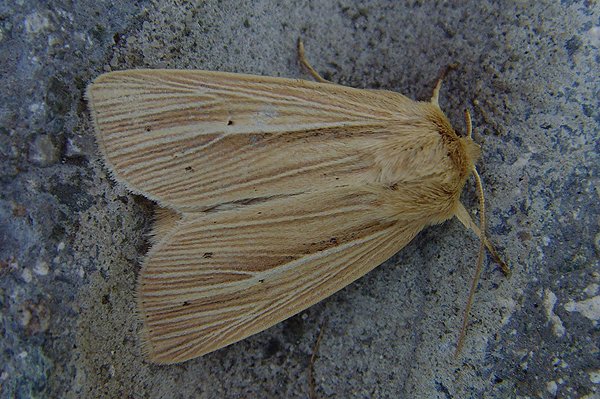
306 64
436 90
311 364
463 215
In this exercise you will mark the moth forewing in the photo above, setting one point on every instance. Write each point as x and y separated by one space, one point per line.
280 192
181 137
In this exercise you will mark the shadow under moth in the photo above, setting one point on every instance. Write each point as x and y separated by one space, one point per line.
273 193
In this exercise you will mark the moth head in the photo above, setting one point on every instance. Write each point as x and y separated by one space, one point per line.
463 151
469 151
471 148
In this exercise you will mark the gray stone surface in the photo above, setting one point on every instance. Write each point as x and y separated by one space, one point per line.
71 239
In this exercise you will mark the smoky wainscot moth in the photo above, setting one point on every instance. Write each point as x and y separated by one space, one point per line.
272 193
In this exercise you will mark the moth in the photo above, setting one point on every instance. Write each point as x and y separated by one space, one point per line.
273 193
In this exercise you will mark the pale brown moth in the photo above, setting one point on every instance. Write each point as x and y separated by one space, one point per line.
274 193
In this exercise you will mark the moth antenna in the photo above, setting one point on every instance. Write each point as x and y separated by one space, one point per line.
469 125
306 64
479 267
488 244
435 97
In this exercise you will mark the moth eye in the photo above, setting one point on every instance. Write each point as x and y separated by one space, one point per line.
229 122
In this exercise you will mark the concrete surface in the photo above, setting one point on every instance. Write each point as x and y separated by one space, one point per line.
71 239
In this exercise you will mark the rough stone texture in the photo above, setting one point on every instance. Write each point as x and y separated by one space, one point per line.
71 240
